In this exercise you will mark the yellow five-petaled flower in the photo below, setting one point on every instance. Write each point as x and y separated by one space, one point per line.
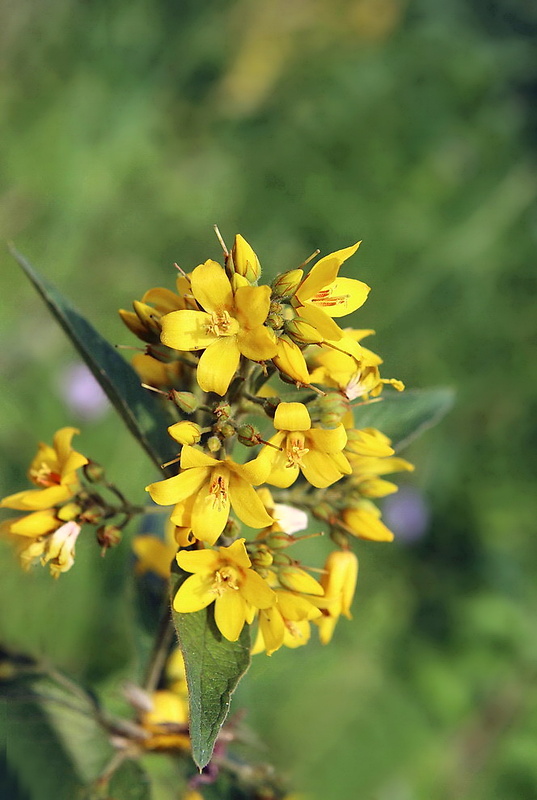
230 325
225 577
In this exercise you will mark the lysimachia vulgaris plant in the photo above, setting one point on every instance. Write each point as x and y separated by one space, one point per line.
266 414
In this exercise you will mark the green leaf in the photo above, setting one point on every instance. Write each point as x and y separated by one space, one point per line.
405 416
130 782
214 666
140 409
54 744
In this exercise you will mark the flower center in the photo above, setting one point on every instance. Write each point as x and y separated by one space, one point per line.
220 323
44 476
326 299
219 491
227 577
295 450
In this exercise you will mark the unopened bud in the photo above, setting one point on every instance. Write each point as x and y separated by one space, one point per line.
275 321
330 409
69 511
339 537
92 515
286 284
232 529
248 435
186 401
298 580
93 472
261 557
185 432
323 511
149 317
302 332
245 261
225 428
279 540
108 536
214 444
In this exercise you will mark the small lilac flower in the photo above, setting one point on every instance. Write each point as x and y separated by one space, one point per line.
407 514
81 392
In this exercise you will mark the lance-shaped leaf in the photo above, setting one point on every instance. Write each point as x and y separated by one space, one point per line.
140 409
214 666
405 416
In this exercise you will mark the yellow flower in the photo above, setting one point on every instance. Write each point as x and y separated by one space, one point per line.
225 577
53 470
161 374
339 582
57 549
323 295
185 432
285 623
145 320
166 722
290 360
230 325
350 367
215 486
315 452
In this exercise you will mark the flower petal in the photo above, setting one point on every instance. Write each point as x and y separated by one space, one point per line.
211 287
173 490
292 417
252 304
218 365
319 469
324 272
256 590
230 614
31 499
198 561
210 513
186 330
258 344
194 594
367 525
289 359
272 629
341 297
237 553
192 457
328 441
246 503
321 321
37 524
62 442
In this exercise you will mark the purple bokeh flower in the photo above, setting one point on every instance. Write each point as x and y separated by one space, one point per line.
407 514
81 393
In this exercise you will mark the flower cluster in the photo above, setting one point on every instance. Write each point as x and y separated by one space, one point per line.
265 384
63 501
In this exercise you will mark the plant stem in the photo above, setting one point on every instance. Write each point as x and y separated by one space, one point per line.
161 647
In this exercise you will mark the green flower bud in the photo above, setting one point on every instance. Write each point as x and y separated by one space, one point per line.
108 536
186 401
214 444
222 410
248 435
93 472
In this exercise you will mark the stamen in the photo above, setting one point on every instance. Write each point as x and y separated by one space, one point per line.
326 299
219 324
219 492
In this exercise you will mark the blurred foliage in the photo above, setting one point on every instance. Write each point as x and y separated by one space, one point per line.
128 129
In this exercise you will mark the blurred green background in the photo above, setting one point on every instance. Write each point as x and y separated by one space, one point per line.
127 130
